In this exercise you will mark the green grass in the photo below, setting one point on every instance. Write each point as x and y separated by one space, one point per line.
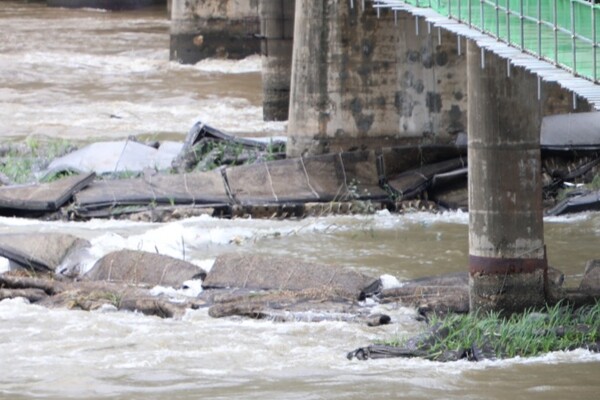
594 184
22 161
525 335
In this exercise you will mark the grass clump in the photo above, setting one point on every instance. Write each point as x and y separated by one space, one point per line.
595 183
532 333
20 161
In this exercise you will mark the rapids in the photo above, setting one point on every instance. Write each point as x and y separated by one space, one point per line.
87 75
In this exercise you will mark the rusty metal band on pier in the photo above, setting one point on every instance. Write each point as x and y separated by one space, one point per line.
508 266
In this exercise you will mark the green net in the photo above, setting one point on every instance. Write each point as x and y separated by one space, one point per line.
564 32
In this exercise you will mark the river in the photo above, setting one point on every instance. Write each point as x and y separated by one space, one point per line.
88 75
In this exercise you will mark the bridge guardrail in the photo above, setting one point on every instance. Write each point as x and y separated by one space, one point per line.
564 32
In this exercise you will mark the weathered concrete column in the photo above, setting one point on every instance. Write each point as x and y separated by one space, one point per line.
363 81
343 78
507 257
431 96
277 34
213 28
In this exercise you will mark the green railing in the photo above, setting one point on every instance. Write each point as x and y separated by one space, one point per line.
564 32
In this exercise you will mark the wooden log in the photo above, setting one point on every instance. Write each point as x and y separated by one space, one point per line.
33 295
438 299
50 287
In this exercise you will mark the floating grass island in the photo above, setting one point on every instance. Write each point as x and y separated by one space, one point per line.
478 337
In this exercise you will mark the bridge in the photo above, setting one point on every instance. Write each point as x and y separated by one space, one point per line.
356 74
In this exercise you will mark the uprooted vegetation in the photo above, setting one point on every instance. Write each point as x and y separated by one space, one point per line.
477 337
20 161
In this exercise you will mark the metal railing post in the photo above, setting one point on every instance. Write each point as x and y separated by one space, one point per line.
522 20
539 22
573 37
482 15
556 59
497 20
594 43
508 21
470 14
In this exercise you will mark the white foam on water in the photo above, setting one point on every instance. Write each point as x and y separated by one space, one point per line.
124 64
122 352
426 218
190 288
4 265
223 66
570 218
118 118
117 95
389 282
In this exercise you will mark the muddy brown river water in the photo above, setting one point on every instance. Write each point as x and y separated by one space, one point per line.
88 75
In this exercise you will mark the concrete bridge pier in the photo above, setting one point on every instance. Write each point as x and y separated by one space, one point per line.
343 78
277 35
507 259
213 28
363 79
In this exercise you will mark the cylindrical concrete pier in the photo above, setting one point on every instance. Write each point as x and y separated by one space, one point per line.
362 80
214 28
277 35
507 259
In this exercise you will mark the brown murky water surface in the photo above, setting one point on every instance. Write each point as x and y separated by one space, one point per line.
88 75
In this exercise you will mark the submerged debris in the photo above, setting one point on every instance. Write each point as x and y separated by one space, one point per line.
41 252
205 147
273 273
229 176
128 156
143 268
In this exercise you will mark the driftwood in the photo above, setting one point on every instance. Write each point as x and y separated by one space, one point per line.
451 279
306 305
50 287
33 295
383 351
436 299
91 296
417 346
438 294
258 304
